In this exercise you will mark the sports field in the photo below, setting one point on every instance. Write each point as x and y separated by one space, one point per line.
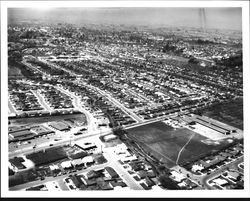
172 146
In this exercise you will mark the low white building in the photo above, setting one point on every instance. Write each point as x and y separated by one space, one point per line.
220 181
128 158
88 159
110 137
197 167
177 176
77 162
66 164
53 167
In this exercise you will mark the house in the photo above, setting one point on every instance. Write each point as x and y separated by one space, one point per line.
88 159
88 182
111 172
149 182
142 174
151 174
76 180
233 175
66 164
91 174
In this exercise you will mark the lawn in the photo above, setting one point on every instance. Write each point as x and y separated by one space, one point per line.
165 143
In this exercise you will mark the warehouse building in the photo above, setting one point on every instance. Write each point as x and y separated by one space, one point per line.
210 123
41 130
58 125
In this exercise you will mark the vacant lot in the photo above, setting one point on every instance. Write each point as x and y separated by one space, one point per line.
229 112
172 145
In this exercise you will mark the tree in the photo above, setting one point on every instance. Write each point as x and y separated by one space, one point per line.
162 168
168 183
193 60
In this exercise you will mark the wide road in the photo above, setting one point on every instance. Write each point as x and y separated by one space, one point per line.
28 149
39 147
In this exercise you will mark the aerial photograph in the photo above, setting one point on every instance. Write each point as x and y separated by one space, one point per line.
125 98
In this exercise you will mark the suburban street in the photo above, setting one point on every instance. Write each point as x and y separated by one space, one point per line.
202 180
111 162
117 103
42 101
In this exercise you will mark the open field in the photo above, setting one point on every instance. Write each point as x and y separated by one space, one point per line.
165 143
71 118
230 113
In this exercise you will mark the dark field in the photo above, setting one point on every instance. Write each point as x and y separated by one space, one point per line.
165 143
71 118
230 113
14 72
47 156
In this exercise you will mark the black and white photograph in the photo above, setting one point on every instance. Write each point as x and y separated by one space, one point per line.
121 98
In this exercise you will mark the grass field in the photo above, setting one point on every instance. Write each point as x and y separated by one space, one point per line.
230 113
165 143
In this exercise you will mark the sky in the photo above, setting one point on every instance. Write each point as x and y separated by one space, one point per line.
218 17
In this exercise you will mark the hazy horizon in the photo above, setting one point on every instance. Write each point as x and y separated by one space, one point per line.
218 18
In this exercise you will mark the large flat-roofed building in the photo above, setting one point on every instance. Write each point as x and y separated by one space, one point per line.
58 125
210 123
41 130
86 146
22 135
